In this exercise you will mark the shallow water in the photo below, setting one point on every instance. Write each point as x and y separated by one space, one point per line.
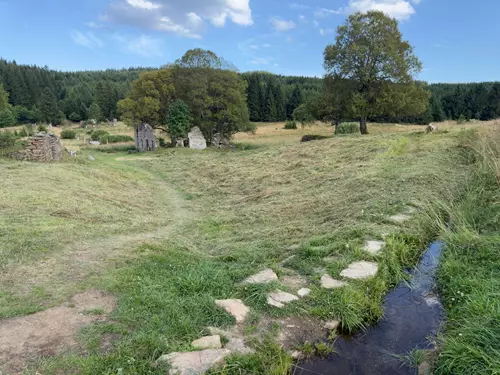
413 315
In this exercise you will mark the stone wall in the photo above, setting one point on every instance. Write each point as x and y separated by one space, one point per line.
145 139
41 147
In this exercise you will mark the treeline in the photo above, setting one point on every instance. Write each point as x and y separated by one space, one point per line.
42 95
274 97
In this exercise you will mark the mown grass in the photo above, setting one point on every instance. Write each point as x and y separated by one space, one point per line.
469 276
283 205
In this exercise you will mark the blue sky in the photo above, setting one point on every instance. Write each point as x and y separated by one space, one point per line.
457 40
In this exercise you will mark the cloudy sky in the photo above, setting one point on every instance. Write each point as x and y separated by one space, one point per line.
457 40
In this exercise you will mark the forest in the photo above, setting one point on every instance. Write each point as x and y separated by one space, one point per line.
38 94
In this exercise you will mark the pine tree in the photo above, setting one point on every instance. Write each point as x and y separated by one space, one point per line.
294 101
95 112
436 109
279 98
253 98
4 98
49 107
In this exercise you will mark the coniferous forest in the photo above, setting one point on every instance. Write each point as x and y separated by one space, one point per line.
38 94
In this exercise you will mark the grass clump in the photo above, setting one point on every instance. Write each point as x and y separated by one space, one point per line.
469 275
68 134
290 125
347 128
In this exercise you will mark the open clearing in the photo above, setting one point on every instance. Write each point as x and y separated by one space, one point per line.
169 234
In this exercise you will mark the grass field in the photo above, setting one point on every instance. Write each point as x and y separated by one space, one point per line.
170 232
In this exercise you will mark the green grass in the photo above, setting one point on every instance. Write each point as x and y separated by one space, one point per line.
469 276
168 233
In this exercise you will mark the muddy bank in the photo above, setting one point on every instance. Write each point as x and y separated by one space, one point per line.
413 316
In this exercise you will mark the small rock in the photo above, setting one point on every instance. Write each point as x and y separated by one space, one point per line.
236 343
360 270
279 299
297 355
91 158
399 219
328 282
332 325
264 277
209 342
192 363
424 368
374 247
304 292
235 307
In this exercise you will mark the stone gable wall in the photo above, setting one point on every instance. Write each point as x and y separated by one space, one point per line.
42 147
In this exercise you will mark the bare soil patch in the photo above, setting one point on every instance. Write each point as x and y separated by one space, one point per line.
49 332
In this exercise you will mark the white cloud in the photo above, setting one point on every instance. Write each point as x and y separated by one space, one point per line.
87 40
187 18
323 12
260 61
280 24
399 9
325 32
142 45
296 6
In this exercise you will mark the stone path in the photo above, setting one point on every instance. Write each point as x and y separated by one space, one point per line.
235 307
208 342
374 247
279 299
328 282
265 277
194 363
360 270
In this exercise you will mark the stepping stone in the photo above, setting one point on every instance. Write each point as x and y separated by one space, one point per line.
192 363
328 282
374 247
209 342
279 299
235 307
264 277
236 343
360 270
304 292
399 219
332 325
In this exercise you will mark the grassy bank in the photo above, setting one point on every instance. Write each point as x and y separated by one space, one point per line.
469 277
170 232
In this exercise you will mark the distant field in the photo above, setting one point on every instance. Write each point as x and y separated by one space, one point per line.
169 232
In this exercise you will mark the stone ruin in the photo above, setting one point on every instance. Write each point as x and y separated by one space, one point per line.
42 147
196 139
145 139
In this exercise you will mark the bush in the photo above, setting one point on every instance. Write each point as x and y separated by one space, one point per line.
42 128
75 117
313 137
461 119
347 128
68 134
290 125
116 139
7 139
6 118
162 143
27 131
249 127
98 135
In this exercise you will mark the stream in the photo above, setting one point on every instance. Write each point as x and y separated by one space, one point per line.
413 316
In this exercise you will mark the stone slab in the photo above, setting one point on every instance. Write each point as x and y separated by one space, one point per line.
194 363
235 307
360 270
279 299
208 342
328 282
264 277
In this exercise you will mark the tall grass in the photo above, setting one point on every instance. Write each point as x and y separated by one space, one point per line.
469 276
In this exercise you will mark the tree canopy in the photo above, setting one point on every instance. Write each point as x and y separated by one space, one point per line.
369 52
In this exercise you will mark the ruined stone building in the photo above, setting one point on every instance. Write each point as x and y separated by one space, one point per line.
145 139
41 147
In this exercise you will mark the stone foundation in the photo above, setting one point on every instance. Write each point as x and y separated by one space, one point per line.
42 148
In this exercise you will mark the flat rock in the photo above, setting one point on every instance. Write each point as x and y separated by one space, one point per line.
279 298
304 292
328 282
332 325
235 307
264 277
296 354
236 343
360 270
194 363
374 247
399 219
209 342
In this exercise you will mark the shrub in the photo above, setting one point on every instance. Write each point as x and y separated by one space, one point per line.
313 137
6 118
461 119
68 134
347 128
75 117
162 143
290 125
116 139
42 128
249 127
27 131
98 135
7 139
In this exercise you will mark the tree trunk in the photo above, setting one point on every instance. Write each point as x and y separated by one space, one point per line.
363 128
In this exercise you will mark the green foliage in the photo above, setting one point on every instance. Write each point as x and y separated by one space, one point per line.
27 116
347 128
461 119
7 139
42 128
290 125
162 143
302 115
94 112
6 118
104 137
98 135
75 117
382 88
4 99
179 120
49 107
68 134
26 131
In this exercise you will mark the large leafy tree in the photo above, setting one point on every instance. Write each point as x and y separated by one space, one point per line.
370 52
178 120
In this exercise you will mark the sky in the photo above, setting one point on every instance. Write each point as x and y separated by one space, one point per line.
456 40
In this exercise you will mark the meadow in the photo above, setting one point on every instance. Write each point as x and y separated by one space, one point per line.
168 233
